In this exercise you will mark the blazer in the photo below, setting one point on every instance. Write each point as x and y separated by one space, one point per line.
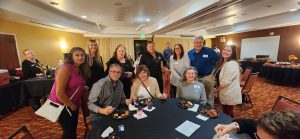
230 90
154 88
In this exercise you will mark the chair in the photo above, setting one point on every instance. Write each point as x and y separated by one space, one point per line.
85 112
245 76
25 134
284 103
248 86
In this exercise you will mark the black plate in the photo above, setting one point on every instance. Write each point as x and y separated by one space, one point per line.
120 114
181 104
144 102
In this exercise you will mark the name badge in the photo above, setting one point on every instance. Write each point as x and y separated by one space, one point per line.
205 56
176 63
197 86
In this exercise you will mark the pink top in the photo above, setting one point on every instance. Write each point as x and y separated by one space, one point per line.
75 80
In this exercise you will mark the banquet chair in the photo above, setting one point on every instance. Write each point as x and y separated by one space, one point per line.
247 88
245 76
284 103
21 133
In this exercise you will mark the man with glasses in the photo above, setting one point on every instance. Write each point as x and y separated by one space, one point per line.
106 94
272 125
204 59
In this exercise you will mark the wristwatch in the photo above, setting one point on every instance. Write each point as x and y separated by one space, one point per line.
237 126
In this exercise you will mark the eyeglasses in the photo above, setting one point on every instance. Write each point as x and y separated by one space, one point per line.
115 72
256 136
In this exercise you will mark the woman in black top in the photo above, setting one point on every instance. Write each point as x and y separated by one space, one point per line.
95 62
152 59
30 66
120 57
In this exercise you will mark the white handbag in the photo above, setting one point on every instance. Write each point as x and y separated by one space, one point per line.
52 110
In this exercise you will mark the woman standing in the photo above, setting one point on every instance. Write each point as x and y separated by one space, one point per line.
152 59
228 78
178 63
143 81
120 57
70 79
95 62
190 88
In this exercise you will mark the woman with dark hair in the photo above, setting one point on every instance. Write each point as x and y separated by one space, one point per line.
120 57
138 90
95 62
272 125
70 78
190 88
178 63
152 59
227 74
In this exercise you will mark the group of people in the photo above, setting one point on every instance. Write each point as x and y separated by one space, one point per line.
195 76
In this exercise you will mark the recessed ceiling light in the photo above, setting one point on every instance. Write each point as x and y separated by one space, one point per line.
158 11
292 10
54 3
83 16
148 19
269 6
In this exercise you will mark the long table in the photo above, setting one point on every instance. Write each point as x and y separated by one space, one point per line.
160 123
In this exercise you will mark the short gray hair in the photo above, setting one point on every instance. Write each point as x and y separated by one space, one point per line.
115 65
199 37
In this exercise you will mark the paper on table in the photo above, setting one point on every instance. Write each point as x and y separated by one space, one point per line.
187 128
132 107
195 108
204 118
140 117
106 132
146 109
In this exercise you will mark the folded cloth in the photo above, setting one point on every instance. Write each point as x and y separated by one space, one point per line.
194 108
150 110
106 132
140 116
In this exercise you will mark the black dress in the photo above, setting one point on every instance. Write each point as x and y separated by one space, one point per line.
154 66
97 73
30 69
127 67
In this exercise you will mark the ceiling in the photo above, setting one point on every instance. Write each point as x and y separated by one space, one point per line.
158 17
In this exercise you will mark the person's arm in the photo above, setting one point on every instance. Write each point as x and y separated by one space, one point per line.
156 87
172 68
215 57
187 60
164 60
62 79
26 69
202 98
247 126
178 91
230 71
93 97
133 92
143 60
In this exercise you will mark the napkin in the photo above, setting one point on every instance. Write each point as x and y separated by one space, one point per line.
140 117
132 107
146 109
106 132
187 128
204 118
194 108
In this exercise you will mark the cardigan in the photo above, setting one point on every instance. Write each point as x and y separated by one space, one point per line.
154 88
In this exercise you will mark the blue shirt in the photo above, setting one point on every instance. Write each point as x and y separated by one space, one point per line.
204 61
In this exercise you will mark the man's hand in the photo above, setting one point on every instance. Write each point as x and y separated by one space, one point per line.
221 129
107 110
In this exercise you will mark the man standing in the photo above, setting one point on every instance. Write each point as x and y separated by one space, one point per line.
106 94
204 60
167 54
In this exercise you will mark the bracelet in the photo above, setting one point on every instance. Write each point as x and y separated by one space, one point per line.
237 126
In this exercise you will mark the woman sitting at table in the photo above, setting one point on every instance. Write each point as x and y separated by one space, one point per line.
31 67
138 90
70 79
190 88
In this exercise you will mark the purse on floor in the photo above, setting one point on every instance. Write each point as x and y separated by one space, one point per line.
52 110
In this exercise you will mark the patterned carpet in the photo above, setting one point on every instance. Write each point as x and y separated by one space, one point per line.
263 95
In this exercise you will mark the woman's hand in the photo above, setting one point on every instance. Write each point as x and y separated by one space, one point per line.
221 129
107 110
73 107
128 101
134 99
163 96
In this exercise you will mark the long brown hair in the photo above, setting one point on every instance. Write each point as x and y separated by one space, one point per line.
181 54
84 68
232 57
97 55
119 46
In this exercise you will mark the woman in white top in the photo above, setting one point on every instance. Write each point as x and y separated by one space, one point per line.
178 63
228 73
138 91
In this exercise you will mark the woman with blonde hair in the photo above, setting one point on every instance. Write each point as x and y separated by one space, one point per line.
120 57
95 62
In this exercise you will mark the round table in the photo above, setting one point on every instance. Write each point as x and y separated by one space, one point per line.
281 74
160 123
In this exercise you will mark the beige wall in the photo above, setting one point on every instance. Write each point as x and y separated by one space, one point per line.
45 42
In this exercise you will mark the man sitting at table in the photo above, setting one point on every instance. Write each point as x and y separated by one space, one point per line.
106 94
